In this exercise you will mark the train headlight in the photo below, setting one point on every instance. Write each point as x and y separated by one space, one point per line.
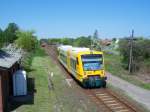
102 72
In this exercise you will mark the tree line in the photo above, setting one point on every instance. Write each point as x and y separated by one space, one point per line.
82 41
140 55
22 39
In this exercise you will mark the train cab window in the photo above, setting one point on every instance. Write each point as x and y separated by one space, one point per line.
92 62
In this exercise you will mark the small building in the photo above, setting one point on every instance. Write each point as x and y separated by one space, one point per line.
9 64
106 42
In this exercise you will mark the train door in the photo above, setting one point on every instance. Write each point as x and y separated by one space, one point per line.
68 60
78 69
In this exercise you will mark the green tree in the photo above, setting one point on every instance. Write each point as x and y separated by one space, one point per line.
1 38
83 41
95 36
114 39
54 41
1 30
26 40
67 41
10 32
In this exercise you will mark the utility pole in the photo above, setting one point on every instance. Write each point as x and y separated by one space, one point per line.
131 53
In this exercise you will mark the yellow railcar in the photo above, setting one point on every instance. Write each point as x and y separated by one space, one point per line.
85 65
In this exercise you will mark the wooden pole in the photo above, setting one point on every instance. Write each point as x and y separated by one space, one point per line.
131 53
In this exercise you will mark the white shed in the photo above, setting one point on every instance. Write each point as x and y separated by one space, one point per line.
19 83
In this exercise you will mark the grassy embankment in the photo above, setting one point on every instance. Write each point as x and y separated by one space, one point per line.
60 99
114 66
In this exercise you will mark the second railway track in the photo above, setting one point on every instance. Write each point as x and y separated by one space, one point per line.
105 99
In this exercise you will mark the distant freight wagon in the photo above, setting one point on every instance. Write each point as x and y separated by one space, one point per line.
86 65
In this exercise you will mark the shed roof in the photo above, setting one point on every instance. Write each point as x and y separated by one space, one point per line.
9 56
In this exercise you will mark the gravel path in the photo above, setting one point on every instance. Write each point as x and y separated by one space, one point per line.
138 94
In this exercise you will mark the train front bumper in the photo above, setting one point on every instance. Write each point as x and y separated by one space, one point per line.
94 81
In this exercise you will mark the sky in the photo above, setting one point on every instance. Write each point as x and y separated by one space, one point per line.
74 18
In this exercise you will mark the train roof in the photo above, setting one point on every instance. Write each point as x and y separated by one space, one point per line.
65 47
73 49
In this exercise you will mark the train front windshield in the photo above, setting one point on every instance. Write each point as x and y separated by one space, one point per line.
92 62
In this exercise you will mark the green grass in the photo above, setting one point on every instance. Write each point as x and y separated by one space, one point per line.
38 61
113 65
60 99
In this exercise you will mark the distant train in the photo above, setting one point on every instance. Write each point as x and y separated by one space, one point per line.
87 66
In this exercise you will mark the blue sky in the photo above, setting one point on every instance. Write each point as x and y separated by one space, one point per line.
73 18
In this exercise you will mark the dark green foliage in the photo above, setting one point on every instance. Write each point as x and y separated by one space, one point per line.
67 41
114 39
124 50
83 41
10 32
12 27
1 38
64 41
1 31
54 41
141 51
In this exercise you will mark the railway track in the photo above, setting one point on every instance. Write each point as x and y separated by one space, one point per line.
105 99
110 100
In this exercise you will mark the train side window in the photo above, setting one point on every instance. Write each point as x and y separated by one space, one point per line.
77 61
